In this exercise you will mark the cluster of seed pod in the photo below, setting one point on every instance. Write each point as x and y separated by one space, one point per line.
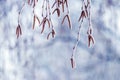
59 4
46 19
46 15
33 4
18 29
85 14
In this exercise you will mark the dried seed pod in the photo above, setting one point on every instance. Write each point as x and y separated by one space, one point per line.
48 35
17 35
58 11
43 26
53 33
37 19
34 21
86 12
18 31
69 22
90 38
72 62
68 18
62 6
43 21
48 23
82 15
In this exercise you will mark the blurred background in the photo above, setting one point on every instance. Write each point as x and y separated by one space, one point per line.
33 57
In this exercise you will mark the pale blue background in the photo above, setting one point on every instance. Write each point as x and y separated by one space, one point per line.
33 57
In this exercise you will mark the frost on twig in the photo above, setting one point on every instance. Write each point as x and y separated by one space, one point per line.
85 14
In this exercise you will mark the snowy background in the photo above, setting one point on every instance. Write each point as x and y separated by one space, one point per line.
33 57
